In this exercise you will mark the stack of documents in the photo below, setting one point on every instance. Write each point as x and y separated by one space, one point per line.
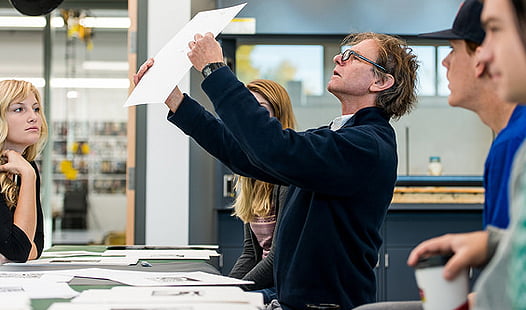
183 298
122 257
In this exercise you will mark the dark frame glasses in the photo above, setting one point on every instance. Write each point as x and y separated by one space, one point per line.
348 52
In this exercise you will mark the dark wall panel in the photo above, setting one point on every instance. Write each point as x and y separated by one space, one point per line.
404 17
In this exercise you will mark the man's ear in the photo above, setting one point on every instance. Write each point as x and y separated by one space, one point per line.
382 83
480 67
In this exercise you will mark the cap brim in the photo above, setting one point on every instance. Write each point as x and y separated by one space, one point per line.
442 35
35 8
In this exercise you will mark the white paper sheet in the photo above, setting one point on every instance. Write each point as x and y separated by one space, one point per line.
144 278
172 63
35 275
144 306
85 260
14 299
39 289
46 284
163 254
156 295
46 254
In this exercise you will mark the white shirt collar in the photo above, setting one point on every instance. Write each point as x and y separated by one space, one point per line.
338 122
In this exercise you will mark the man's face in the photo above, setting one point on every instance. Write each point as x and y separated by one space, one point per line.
354 76
461 75
503 51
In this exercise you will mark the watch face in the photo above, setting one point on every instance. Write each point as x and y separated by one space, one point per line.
211 67
206 71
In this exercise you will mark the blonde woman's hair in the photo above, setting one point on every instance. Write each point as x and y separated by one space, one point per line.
16 91
253 196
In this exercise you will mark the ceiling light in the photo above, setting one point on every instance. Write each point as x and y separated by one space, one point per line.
89 83
105 22
76 82
22 22
58 22
72 94
105 65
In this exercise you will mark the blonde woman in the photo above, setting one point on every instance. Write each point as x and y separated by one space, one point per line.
258 203
23 133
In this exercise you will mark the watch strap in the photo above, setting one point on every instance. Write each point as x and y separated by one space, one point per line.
211 67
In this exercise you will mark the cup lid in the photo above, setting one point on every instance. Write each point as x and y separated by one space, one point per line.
433 261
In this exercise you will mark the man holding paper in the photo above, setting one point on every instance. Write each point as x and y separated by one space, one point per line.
341 177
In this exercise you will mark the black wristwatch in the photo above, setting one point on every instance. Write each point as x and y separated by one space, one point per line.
211 67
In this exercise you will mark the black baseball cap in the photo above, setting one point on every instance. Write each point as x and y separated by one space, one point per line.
35 7
466 26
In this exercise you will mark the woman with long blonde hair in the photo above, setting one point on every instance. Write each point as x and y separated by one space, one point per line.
23 134
258 203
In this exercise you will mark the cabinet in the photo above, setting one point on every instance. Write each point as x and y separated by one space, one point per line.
230 238
407 225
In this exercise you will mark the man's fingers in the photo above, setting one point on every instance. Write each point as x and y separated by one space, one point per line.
142 70
440 245
453 267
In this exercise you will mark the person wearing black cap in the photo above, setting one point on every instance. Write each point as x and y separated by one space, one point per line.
472 88
35 7
478 248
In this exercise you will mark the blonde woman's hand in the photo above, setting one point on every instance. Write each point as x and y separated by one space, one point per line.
176 96
16 164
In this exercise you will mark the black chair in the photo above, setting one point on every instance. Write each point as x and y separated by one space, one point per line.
75 209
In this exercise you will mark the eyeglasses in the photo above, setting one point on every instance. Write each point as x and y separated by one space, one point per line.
348 52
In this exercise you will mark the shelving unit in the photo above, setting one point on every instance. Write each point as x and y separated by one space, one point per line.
89 174
91 155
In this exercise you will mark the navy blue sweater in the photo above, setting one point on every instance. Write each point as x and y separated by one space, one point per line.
341 183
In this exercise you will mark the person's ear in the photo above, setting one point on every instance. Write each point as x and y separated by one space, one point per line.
480 67
382 83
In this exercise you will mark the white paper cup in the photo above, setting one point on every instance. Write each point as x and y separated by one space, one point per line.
436 292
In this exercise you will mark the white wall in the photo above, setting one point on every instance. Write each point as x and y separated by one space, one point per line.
167 177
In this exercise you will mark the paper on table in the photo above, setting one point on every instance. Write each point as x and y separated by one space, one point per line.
172 63
83 260
47 254
143 278
156 295
14 299
39 289
145 306
163 254
50 276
